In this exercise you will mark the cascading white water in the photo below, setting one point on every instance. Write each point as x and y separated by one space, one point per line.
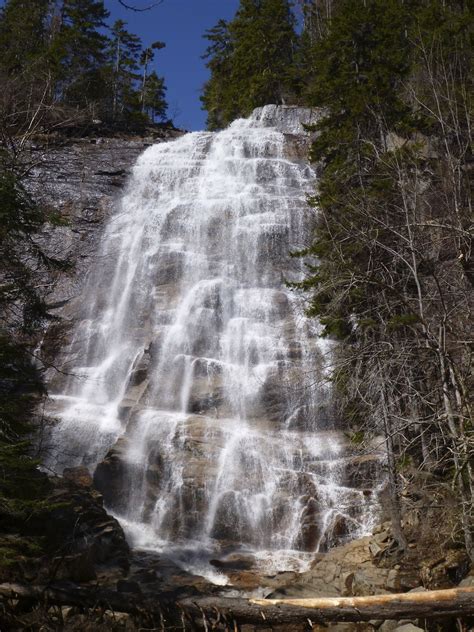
194 371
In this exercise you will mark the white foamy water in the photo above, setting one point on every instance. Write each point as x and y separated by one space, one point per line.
200 371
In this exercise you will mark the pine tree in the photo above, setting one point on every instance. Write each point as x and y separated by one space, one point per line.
154 102
25 72
316 20
21 384
59 56
23 33
219 97
79 50
124 51
250 60
146 58
264 41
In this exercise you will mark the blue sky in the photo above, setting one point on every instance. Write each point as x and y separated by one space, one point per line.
181 24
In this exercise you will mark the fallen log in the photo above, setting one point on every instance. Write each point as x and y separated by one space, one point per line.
454 602
428 604
432 604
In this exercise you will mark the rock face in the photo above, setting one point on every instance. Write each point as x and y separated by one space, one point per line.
74 538
288 119
372 565
80 181
348 570
91 539
191 384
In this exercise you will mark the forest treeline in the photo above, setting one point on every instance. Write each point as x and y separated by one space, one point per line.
389 269
64 56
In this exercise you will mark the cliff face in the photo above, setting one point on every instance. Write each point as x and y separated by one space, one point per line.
80 181
185 385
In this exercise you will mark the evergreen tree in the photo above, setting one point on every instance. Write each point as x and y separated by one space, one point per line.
264 40
146 58
25 72
154 102
220 94
250 60
317 15
124 51
23 33
79 50
58 56
21 384
316 19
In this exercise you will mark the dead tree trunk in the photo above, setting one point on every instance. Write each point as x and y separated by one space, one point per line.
429 604
455 602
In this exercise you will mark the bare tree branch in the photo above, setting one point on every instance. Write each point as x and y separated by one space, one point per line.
140 9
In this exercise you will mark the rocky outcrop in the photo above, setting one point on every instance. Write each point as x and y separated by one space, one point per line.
372 565
347 570
69 536
78 181
84 539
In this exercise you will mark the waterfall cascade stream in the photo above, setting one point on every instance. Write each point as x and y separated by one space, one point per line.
197 389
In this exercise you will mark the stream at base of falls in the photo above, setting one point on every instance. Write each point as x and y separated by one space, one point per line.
198 390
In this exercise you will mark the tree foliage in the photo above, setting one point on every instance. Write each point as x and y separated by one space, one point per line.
250 59
21 311
77 62
390 266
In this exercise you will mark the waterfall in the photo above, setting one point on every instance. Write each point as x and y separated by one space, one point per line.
197 388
